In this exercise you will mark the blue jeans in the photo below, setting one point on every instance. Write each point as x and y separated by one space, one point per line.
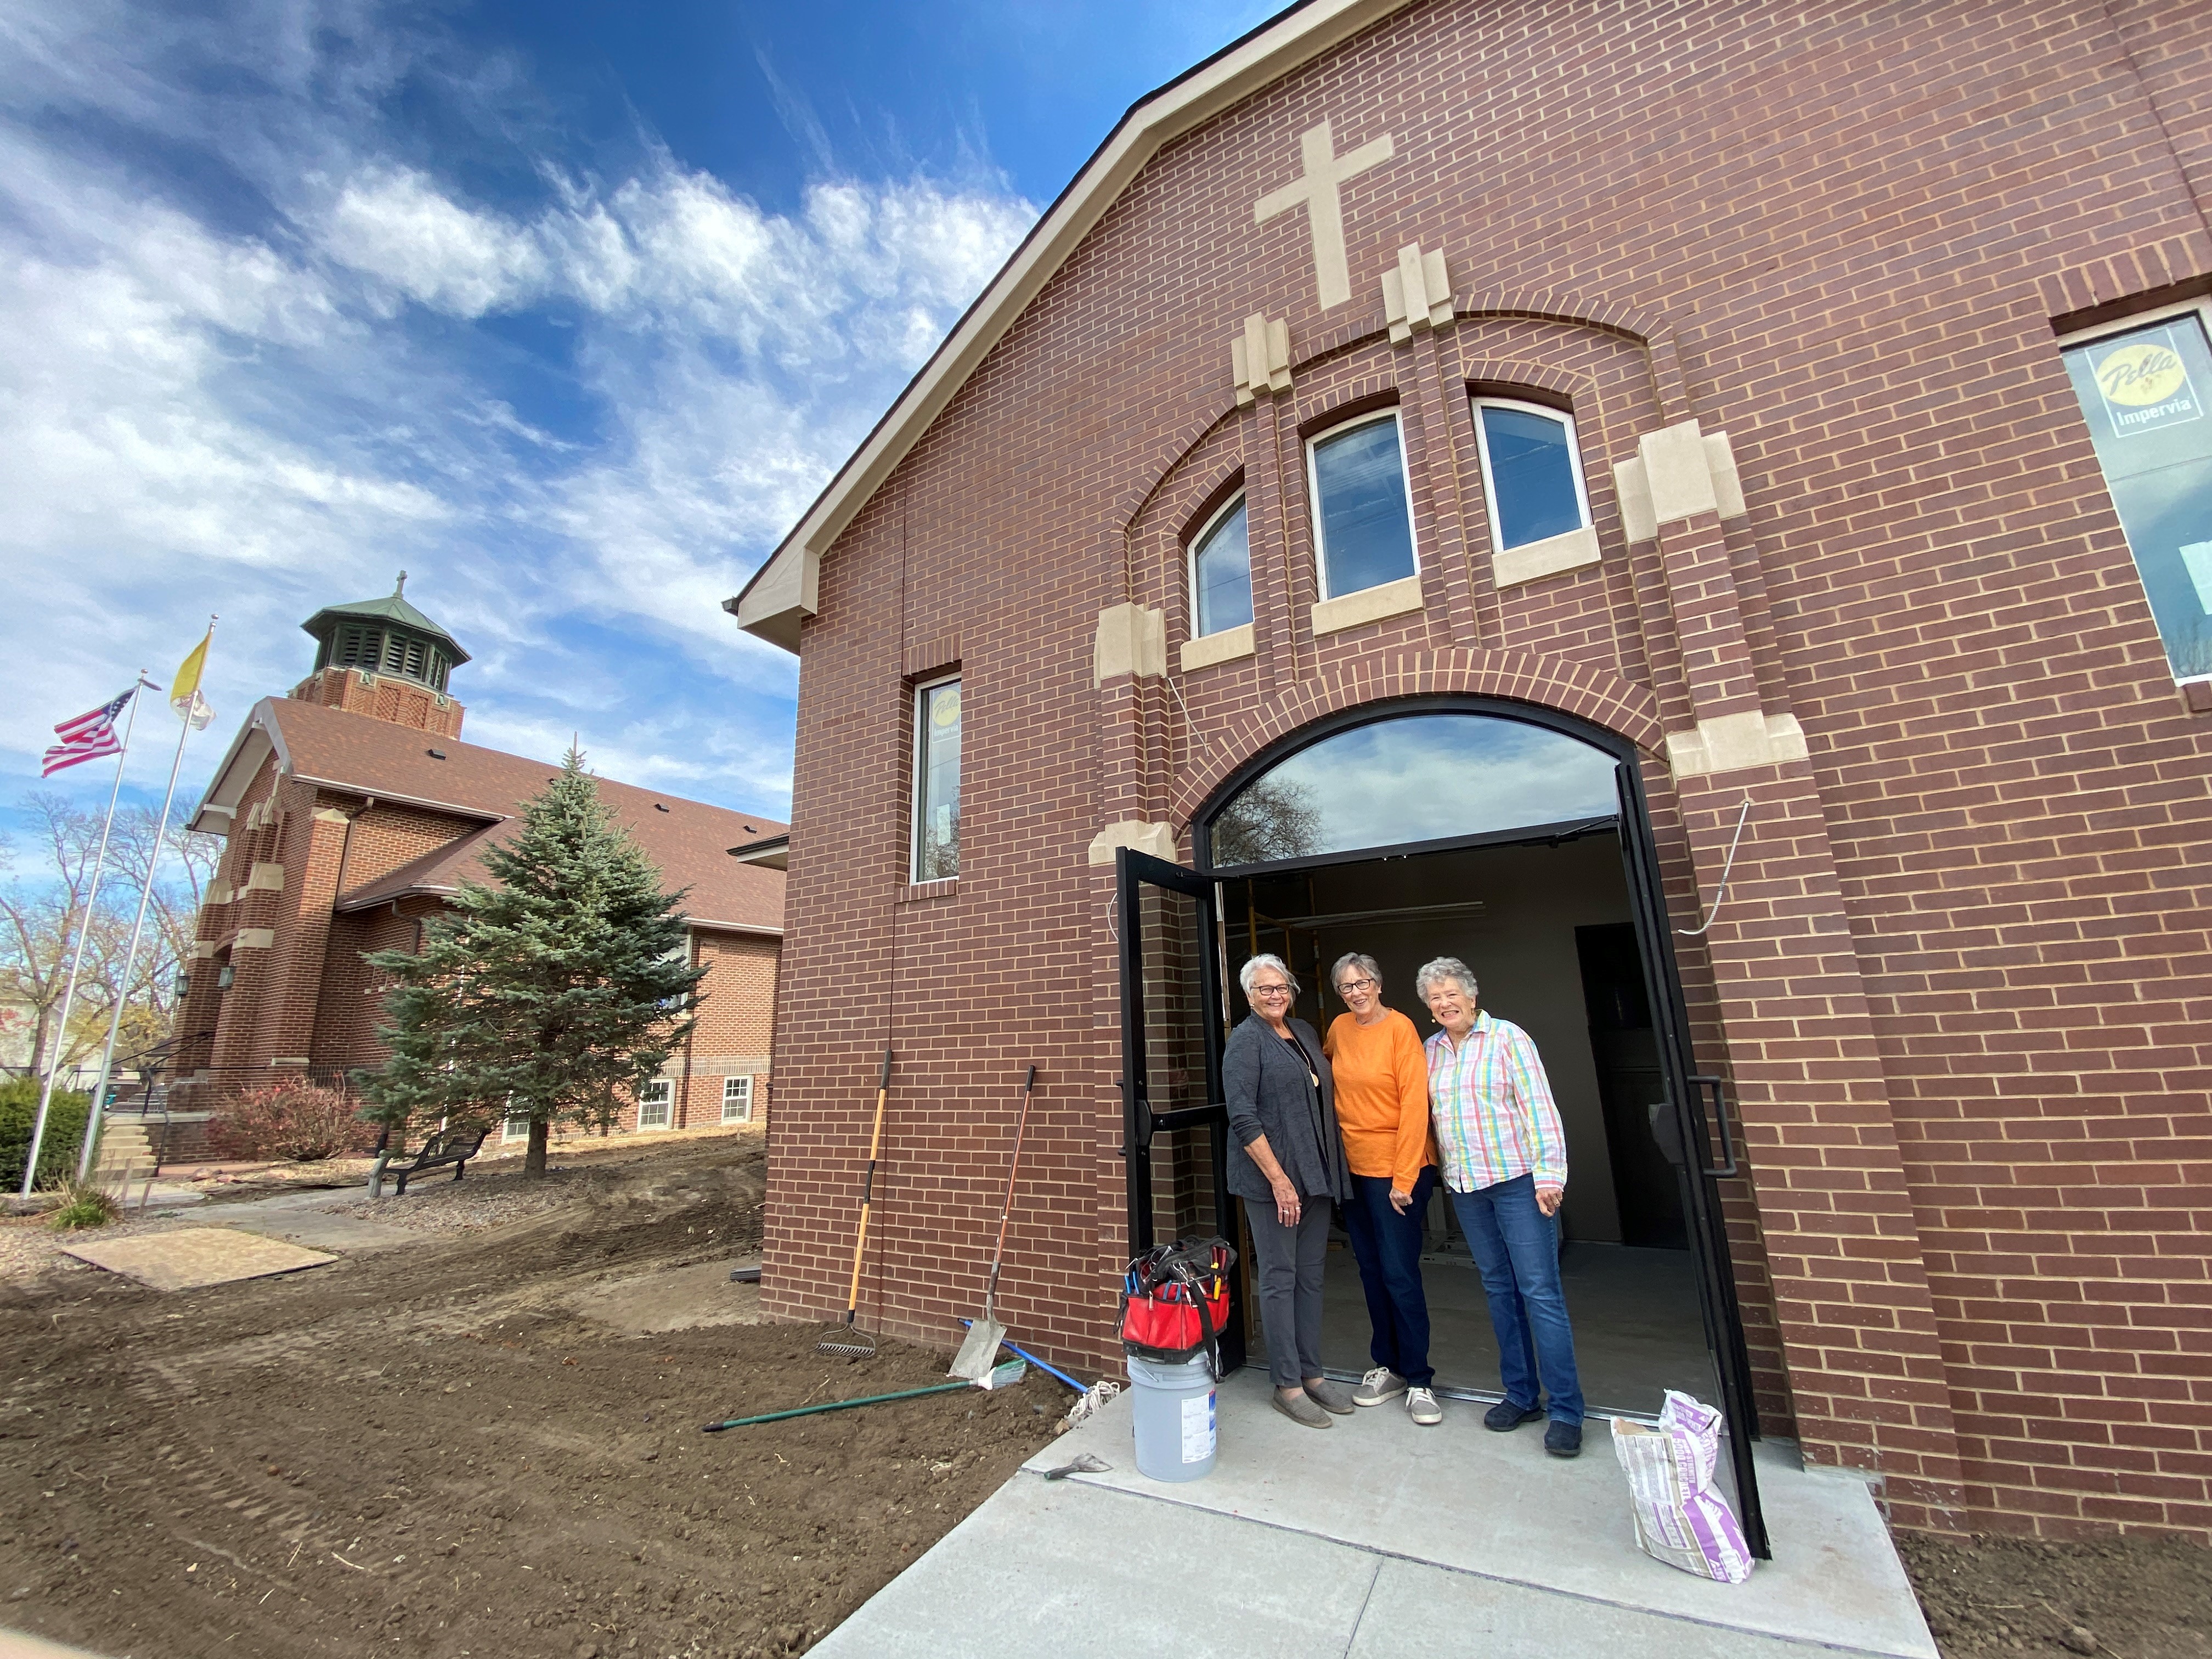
1516 1246
1387 1247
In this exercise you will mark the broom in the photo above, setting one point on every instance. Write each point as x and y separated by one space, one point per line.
850 1343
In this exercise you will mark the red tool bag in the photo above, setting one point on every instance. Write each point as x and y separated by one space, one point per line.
1175 1302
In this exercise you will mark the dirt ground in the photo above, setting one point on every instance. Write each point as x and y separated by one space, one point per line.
472 1442
2132 1597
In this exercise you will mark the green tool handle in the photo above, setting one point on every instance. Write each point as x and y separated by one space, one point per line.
834 1406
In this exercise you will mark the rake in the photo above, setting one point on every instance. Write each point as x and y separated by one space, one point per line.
850 1343
980 1348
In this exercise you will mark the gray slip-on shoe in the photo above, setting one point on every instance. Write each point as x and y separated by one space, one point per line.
1330 1396
1302 1411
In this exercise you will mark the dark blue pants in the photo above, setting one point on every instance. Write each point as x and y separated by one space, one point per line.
1387 1247
1516 1246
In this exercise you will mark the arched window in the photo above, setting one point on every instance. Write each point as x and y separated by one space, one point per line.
1531 471
1363 515
1411 779
1221 572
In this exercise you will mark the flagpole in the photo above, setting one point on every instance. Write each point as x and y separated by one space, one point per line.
77 959
94 1122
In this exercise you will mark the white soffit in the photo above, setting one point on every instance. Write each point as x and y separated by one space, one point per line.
783 590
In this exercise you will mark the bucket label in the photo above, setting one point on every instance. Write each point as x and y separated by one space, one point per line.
1198 1427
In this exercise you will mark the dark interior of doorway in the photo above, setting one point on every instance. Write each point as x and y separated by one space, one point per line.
1546 927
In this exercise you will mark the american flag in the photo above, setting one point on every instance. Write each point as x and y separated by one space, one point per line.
89 737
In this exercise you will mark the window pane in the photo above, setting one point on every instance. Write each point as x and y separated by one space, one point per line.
1532 476
937 793
1366 539
1420 777
2143 394
1221 572
737 1099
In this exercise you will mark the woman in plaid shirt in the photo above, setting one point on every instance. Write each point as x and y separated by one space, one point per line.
1505 1166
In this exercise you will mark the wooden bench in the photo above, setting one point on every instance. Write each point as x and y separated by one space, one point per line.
453 1147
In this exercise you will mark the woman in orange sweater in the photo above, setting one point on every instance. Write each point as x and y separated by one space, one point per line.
1383 1108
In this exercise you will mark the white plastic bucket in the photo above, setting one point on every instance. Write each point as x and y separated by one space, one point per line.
1173 1409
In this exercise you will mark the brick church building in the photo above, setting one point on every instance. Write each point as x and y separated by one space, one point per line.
1704 512
350 810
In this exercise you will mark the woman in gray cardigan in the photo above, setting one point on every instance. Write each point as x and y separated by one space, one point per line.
1286 1162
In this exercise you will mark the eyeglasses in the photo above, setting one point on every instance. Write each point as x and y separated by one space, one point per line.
1271 990
1359 985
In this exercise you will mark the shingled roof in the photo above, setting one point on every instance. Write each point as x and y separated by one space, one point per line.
690 840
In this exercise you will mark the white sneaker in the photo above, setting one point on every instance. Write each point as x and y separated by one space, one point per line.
1379 1385
1421 1406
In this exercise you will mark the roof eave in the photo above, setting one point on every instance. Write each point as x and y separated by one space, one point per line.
784 591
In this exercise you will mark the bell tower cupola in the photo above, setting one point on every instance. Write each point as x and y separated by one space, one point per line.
385 659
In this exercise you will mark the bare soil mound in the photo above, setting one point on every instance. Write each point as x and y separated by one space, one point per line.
2134 1597
428 1450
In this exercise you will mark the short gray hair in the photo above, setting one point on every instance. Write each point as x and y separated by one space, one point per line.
1442 968
1266 959
1359 959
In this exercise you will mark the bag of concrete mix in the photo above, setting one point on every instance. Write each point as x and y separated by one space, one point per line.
1681 1517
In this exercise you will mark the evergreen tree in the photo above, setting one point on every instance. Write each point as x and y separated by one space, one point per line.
548 992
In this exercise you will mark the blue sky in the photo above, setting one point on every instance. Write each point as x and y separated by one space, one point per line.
568 311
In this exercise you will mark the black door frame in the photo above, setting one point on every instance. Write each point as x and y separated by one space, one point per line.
1686 1088
1134 870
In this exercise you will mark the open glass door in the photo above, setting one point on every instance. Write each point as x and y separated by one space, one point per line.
1175 1138
1702 1152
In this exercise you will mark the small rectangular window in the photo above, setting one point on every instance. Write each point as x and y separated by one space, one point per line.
1363 515
517 1126
937 780
1221 573
2143 392
737 1100
655 1104
1530 472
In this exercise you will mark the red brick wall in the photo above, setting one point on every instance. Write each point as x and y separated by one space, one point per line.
383 697
1959 980
736 1029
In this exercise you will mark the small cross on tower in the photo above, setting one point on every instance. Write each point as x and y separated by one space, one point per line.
1320 190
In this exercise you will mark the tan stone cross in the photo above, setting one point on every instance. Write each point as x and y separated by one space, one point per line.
1320 190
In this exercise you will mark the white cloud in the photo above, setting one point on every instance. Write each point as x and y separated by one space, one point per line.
266 394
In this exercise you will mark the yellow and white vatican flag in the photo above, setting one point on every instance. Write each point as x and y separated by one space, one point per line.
184 695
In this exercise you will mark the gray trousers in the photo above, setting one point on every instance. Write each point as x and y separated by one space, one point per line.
1287 1262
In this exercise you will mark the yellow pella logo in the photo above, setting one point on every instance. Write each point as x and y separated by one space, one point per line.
2142 374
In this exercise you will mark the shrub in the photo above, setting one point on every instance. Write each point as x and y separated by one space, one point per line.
19 1110
83 1205
290 1118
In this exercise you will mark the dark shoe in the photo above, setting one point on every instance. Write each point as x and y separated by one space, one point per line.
1563 1439
1505 1416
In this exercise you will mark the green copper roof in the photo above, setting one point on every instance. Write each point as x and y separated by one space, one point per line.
392 608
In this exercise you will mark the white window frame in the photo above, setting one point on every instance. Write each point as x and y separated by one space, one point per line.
1490 484
920 770
2202 310
745 1095
508 1134
1313 496
1190 559
668 1086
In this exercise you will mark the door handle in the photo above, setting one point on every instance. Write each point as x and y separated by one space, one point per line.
1728 1165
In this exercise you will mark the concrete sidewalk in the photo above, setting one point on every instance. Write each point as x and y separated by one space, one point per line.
1373 1538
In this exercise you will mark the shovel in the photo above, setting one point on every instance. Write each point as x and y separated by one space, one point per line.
973 1362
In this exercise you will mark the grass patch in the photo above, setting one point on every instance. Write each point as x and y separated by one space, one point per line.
84 1205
